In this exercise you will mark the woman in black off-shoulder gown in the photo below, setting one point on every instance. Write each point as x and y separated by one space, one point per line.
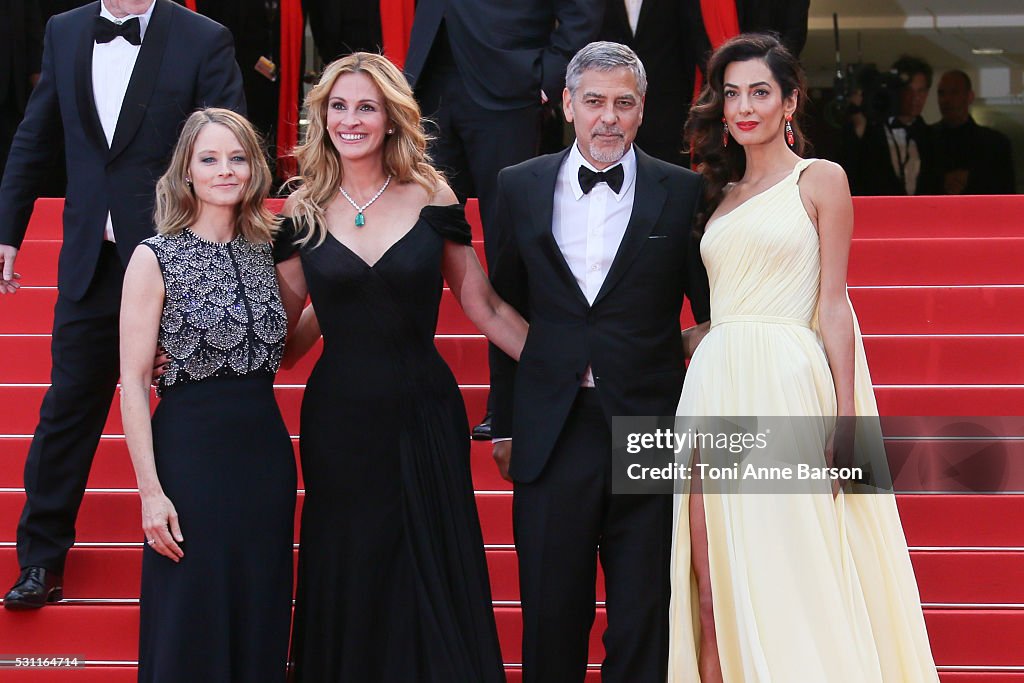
393 583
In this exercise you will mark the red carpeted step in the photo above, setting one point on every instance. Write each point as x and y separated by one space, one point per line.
957 466
970 577
928 261
939 310
923 465
893 359
969 217
950 400
112 467
873 261
875 216
882 310
997 577
103 632
963 520
920 465
22 405
946 359
30 311
928 521
105 517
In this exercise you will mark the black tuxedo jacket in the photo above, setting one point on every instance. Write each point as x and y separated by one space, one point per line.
668 39
629 336
507 50
868 161
186 61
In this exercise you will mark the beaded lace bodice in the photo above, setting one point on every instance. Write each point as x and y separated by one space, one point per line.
222 314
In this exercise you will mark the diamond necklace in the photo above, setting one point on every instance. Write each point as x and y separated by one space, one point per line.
360 218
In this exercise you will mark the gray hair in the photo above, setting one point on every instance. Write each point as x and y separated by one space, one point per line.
603 55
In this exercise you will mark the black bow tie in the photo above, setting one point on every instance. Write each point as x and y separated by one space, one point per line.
106 30
613 177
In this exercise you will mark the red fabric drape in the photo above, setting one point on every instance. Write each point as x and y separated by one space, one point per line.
721 22
396 24
289 71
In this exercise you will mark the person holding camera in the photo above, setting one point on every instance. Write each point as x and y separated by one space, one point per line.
888 148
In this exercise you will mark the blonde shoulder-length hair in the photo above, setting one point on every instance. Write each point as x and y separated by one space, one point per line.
177 206
320 171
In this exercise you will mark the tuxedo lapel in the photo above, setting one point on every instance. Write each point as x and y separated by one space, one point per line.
144 77
648 199
83 85
543 205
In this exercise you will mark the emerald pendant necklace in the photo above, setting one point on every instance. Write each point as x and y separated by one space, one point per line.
360 218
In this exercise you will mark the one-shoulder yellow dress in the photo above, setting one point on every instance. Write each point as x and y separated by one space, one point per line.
807 588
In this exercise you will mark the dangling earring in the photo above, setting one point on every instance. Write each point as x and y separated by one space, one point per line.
725 133
188 181
790 138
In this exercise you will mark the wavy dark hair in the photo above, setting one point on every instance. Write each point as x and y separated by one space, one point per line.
720 164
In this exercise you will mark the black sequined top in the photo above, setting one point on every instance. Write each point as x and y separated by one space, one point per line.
222 314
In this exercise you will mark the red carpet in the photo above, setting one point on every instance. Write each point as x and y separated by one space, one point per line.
939 289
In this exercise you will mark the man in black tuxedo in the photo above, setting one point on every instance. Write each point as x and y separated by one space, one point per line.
893 152
119 78
666 35
597 252
481 70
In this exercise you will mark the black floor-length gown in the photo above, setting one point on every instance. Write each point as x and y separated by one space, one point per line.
393 581
225 460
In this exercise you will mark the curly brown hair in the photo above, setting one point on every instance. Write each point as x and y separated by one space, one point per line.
720 164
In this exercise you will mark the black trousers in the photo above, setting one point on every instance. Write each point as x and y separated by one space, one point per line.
83 378
472 144
563 522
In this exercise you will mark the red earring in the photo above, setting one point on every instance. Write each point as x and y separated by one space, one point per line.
790 138
725 133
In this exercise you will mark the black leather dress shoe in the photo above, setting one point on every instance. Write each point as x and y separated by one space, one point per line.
35 588
482 432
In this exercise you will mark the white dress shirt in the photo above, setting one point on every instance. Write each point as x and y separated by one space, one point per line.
112 65
633 13
903 153
588 228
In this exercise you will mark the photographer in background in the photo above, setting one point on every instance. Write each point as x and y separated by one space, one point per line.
971 159
888 148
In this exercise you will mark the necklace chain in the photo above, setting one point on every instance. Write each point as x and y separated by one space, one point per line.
360 218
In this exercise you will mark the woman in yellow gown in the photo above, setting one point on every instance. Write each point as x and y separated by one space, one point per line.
782 587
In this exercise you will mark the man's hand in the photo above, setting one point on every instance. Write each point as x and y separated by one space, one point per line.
955 182
502 457
160 363
9 283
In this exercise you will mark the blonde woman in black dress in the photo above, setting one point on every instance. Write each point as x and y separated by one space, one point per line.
393 582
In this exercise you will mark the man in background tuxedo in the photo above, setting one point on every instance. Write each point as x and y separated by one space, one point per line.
481 70
119 79
667 35
597 252
894 154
